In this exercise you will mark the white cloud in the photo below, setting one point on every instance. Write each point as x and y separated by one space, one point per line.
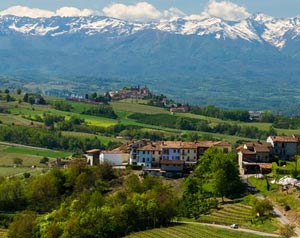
173 12
26 12
22 11
226 10
74 12
142 11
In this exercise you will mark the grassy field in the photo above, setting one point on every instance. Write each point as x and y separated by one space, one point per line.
103 139
26 110
11 171
136 107
192 231
240 214
34 151
30 156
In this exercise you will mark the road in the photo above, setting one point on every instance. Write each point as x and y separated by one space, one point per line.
228 228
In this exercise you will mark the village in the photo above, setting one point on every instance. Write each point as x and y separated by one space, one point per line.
176 158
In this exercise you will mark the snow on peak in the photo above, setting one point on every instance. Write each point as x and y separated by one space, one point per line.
256 28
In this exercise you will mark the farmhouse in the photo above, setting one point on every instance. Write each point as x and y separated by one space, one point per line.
254 157
285 147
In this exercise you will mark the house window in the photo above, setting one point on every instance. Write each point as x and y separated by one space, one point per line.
225 150
143 160
188 158
144 152
174 151
188 151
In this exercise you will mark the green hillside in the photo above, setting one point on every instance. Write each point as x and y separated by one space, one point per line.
132 113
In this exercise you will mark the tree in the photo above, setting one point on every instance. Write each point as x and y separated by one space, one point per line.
94 95
6 91
220 169
42 192
287 231
31 100
19 91
22 225
44 160
17 161
261 209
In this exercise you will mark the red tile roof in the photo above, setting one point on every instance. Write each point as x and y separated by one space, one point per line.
293 138
93 151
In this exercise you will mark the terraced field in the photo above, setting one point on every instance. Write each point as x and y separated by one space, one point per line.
240 214
229 214
192 231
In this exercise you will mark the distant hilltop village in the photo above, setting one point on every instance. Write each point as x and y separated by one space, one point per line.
132 92
135 93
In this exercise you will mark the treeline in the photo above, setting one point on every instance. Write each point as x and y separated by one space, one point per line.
193 124
224 114
102 111
83 201
287 122
50 139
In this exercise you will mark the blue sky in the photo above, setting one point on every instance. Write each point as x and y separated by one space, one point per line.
276 8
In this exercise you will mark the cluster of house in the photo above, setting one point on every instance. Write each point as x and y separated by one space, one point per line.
132 92
257 157
165 157
178 157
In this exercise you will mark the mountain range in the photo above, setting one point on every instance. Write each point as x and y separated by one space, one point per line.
252 63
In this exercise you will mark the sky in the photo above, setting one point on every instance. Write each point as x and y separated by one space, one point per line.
151 9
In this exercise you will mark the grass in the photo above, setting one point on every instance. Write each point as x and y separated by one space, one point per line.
35 152
137 108
241 214
7 159
11 171
261 185
103 139
25 109
192 231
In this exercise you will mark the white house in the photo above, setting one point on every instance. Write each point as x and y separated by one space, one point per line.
114 157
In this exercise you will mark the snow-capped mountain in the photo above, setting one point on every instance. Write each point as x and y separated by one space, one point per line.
192 58
257 28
